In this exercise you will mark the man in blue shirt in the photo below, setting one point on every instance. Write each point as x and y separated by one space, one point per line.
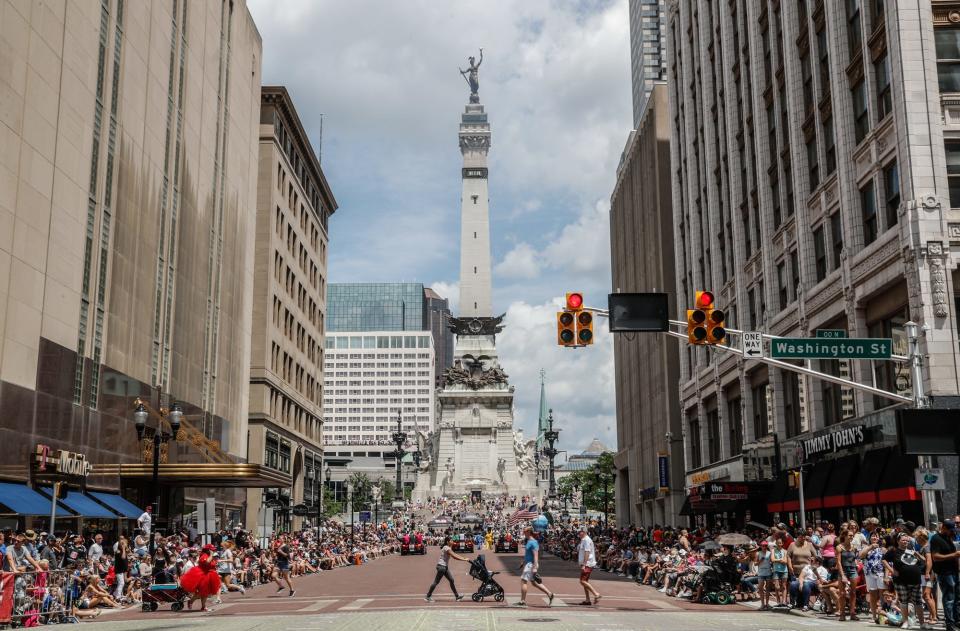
531 563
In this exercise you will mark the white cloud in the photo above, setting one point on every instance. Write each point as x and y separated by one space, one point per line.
588 238
520 262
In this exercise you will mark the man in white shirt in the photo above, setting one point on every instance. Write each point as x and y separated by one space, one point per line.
96 548
587 559
145 520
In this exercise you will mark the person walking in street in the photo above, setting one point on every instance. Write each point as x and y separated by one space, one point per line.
282 552
443 570
946 565
531 565
587 559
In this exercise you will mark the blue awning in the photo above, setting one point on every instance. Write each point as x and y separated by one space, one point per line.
19 499
118 504
83 505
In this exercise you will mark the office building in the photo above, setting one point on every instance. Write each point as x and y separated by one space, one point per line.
355 307
128 162
294 205
812 153
438 322
648 60
647 366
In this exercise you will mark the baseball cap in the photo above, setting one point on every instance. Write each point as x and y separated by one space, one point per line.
949 525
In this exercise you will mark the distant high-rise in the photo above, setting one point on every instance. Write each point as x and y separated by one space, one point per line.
648 61
438 314
355 307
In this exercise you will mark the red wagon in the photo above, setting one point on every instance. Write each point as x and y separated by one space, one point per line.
159 593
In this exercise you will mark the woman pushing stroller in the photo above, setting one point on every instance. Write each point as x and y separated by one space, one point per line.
443 570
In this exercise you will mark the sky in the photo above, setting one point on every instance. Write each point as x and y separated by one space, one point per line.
555 80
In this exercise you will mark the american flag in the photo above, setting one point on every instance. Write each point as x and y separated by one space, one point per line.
522 514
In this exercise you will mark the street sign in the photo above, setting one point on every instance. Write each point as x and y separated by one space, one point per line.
752 344
826 348
301 510
831 333
930 480
365 517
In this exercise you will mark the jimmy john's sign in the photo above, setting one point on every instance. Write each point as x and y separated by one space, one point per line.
835 440
60 463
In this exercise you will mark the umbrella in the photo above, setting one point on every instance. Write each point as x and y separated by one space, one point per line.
734 539
710 545
757 524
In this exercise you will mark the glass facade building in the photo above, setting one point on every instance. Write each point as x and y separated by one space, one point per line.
357 307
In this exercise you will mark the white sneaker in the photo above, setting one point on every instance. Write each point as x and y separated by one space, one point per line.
243 590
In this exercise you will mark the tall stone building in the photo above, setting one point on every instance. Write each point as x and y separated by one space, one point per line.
812 155
647 366
294 205
648 54
128 136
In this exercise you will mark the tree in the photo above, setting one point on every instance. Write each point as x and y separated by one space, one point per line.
362 488
591 484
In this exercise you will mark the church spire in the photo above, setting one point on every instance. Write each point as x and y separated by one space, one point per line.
544 413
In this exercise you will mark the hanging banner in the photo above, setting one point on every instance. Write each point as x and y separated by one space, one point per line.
663 467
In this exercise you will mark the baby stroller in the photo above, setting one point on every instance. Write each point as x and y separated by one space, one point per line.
488 585
720 580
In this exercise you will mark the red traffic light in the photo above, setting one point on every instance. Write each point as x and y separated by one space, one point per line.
704 300
575 301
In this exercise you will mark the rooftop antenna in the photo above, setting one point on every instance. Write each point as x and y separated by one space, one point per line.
320 145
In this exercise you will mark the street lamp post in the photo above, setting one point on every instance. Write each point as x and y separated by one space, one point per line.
598 470
173 416
350 504
551 436
399 437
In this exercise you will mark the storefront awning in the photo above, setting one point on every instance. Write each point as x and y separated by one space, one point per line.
815 483
19 499
898 483
837 493
118 504
201 475
777 494
82 505
864 489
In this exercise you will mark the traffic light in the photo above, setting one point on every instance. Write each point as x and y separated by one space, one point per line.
566 329
60 490
705 325
585 328
574 301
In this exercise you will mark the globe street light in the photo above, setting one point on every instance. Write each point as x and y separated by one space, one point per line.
161 437
350 504
399 437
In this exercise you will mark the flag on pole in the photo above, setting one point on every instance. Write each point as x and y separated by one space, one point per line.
523 514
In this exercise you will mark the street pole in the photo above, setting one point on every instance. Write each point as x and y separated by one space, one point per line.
803 511
673 505
912 329
53 506
398 438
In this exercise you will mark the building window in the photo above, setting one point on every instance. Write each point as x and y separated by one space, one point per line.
735 417
838 402
861 117
854 34
830 145
807 73
782 293
813 164
890 376
823 53
953 172
891 191
713 435
752 307
761 423
820 253
836 237
795 271
791 403
881 71
868 210
695 454
948 58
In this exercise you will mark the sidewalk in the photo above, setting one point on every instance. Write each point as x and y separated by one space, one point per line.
866 619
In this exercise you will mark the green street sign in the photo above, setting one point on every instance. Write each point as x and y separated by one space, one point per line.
827 348
831 333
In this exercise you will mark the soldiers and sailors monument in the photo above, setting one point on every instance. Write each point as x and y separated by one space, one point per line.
475 450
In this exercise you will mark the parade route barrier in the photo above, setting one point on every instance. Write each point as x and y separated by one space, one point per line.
29 599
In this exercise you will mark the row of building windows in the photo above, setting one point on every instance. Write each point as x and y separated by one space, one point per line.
304 258
288 412
300 170
285 321
290 370
285 276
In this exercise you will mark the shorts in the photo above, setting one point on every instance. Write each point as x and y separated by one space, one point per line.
765 577
875 582
283 566
585 573
527 574
780 575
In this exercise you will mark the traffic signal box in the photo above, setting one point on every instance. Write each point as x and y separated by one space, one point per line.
566 329
574 324
705 325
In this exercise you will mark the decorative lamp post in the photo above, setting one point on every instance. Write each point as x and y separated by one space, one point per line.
399 437
551 436
173 416
602 477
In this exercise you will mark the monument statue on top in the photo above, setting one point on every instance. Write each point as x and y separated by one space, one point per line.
472 77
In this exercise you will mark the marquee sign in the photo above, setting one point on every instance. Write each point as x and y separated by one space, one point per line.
834 441
62 462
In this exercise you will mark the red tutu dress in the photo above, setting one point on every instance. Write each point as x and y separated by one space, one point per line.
202 578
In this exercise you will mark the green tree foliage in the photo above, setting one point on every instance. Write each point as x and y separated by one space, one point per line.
591 484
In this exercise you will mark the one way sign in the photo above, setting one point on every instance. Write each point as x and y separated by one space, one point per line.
752 344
